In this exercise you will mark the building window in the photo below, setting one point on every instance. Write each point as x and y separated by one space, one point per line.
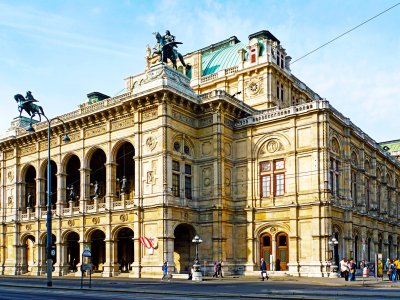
272 178
253 55
266 186
334 177
354 186
280 59
367 192
175 178
378 196
188 181
279 91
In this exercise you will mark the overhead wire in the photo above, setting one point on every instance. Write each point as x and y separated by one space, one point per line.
348 31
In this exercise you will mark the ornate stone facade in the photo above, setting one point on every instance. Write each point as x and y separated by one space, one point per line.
248 157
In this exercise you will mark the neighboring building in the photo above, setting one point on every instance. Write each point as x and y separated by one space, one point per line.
392 147
239 151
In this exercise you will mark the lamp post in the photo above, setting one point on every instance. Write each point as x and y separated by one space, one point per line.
334 268
197 276
27 105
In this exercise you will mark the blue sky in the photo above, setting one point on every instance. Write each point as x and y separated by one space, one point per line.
62 50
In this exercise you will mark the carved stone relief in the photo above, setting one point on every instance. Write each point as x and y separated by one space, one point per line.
271 146
228 149
151 143
206 149
150 114
10 175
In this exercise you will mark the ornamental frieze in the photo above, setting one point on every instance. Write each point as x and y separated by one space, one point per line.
204 122
27 150
9 154
90 132
150 114
43 145
120 124
75 136
229 123
183 118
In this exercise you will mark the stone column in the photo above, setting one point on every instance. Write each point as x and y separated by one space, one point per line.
40 197
111 183
108 266
61 192
84 189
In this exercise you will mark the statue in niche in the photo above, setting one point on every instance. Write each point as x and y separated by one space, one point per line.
72 193
30 200
96 189
124 185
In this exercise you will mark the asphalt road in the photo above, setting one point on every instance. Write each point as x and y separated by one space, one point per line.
69 288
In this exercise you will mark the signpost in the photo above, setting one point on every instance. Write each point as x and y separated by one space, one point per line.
86 265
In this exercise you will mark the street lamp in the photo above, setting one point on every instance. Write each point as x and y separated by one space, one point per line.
197 276
33 109
333 242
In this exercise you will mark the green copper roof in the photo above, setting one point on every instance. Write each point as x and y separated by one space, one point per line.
393 145
221 59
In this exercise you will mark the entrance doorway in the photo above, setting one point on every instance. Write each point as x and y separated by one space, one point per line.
266 249
73 257
183 248
98 248
125 251
282 253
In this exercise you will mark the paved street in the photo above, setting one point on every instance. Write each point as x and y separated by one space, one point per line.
226 288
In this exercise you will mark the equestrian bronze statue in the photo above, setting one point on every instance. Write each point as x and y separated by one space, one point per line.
165 47
27 104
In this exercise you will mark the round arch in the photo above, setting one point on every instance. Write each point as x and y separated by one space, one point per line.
96 238
188 142
125 248
263 142
125 170
28 252
89 154
184 250
71 243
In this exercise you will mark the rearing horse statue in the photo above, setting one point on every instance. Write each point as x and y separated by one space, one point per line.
26 104
166 49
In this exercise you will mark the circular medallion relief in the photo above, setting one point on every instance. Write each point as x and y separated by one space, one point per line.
254 87
151 143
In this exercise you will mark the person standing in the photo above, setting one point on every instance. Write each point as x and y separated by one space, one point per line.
397 263
344 269
387 268
352 267
380 268
263 269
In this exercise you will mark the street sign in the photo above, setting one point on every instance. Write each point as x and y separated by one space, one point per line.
86 267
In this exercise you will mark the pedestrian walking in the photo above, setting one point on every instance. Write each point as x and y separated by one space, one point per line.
263 269
165 271
392 271
215 270
219 269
